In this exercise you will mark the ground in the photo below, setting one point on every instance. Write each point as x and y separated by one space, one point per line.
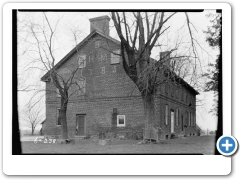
195 144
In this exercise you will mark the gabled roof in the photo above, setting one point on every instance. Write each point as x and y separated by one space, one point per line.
93 33
74 50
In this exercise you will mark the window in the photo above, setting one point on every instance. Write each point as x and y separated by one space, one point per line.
82 86
172 90
177 117
121 122
57 90
166 114
58 117
192 119
89 58
115 57
166 89
103 70
97 44
82 61
182 95
58 93
189 119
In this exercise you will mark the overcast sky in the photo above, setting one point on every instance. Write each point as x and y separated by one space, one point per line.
64 42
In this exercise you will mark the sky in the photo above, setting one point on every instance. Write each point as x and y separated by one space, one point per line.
64 42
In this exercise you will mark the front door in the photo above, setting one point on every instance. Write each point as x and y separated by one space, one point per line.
172 121
80 125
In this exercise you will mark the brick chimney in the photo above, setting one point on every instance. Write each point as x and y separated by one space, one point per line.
165 58
100 24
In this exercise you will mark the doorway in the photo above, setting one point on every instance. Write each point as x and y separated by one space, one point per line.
80 125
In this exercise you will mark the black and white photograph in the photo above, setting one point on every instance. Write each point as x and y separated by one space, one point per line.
119 82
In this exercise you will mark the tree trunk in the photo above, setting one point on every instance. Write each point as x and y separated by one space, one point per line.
63 114
32 131
149 110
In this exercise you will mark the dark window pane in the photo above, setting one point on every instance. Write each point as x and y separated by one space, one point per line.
121 121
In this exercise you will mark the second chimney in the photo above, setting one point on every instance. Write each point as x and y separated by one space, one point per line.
165 58
100 24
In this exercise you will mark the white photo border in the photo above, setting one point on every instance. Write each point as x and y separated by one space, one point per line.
110 164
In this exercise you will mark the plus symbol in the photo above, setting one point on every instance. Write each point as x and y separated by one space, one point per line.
227 145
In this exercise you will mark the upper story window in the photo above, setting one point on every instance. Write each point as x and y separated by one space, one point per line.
172 90
166 89
182 95
82 61
97 44
82 86
57 90
115 57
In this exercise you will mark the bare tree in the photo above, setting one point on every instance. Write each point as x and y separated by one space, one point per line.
33 116
43 36
139 34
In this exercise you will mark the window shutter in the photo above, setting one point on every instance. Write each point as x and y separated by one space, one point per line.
177 117
166 114
114 117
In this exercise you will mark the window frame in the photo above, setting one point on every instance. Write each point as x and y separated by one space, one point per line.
177 117
166 114
189 119
113 56
166 89
82 65
58 95
80 93
58 116
172 90
121 125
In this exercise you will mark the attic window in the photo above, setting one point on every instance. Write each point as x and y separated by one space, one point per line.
115 57
82 61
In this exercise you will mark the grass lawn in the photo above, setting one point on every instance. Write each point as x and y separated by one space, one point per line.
195 144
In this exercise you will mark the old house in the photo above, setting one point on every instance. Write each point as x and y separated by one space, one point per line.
108 97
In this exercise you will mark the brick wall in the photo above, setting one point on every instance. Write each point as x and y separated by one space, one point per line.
108 87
